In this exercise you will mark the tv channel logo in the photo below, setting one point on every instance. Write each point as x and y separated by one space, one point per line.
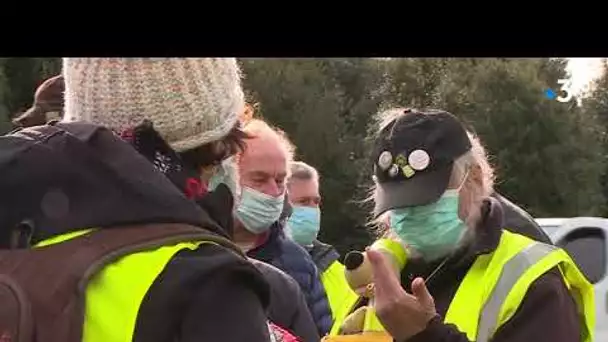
564 92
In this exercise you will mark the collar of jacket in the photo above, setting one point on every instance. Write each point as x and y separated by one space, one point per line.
270 247
487 237
323 255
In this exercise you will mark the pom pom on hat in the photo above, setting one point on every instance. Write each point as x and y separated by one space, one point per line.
190 101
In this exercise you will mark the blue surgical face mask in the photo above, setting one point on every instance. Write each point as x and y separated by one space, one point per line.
304 224
432 230
227 174
258 211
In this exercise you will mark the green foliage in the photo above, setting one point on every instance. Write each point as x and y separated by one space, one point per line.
550 157
595 110
545 152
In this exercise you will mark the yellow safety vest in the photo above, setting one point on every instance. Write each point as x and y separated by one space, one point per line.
340 296
496 284
494 287
114 295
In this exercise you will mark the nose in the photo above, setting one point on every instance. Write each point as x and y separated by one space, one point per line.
275 188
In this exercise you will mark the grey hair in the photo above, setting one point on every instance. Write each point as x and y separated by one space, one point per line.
479 183
387 116
299 170
472 172
460 169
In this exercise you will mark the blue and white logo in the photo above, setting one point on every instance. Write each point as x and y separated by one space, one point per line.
564 90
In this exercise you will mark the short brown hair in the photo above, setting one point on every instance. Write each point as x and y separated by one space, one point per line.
214 152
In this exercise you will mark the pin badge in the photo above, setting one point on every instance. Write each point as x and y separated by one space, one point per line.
385 160
419 160
400 160
408 171
393 171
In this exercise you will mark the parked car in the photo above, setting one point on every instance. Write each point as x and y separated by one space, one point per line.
550 225
584 238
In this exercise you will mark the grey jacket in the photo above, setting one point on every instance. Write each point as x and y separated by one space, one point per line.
323 255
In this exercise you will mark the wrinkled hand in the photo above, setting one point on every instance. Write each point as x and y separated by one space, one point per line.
403 315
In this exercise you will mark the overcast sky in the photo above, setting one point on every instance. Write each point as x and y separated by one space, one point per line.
583 71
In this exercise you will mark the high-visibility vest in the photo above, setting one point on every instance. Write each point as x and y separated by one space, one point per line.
496 284
494 287
339 294
114 295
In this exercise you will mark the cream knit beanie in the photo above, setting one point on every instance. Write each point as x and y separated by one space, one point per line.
190 101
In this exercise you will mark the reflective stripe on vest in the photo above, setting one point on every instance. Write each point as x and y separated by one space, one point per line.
340 296
496 284
114 295
512 271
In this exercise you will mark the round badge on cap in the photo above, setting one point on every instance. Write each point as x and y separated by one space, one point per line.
393 171
419 160
385 160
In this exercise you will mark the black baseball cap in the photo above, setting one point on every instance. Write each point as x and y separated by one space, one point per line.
413 156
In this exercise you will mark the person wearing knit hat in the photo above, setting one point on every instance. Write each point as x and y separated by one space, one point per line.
48 104
180 113
184 116
191 101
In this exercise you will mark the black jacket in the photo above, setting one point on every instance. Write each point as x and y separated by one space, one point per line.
287 309
287 303
323 255
81 176
291 258
547 313
286 255
519 221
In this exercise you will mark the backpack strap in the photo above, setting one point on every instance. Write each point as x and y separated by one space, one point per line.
55 277
95 251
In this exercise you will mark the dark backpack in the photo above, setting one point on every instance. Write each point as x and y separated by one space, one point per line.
42 290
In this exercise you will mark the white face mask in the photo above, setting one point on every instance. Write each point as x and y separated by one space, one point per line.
258 211
227 174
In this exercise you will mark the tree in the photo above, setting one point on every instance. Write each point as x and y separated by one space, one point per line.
595 108
414 82
550 157
545 151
